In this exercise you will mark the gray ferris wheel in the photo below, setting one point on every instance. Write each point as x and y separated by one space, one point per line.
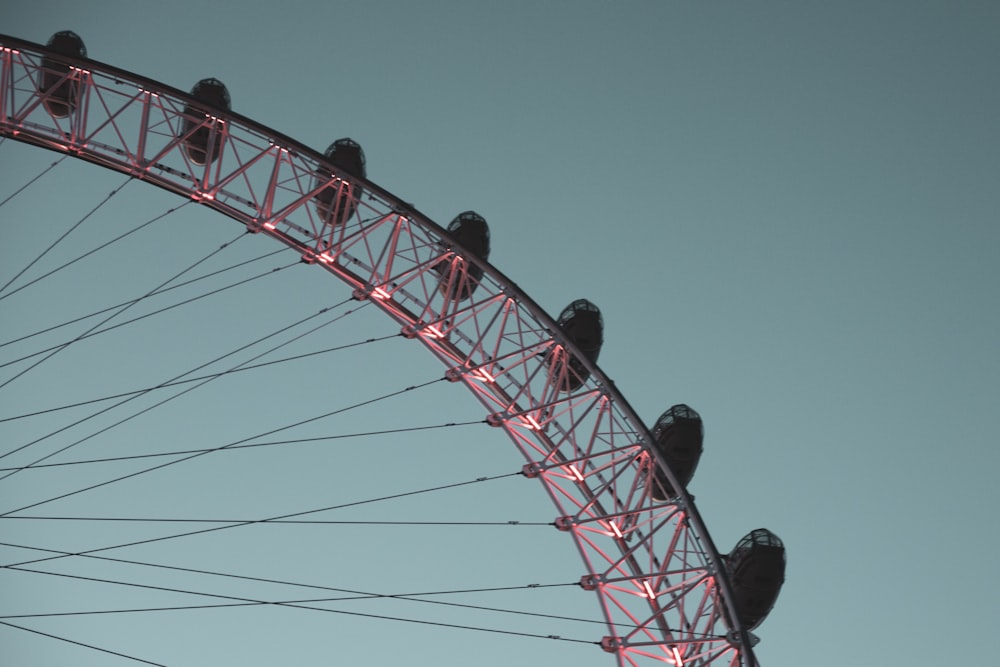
665 594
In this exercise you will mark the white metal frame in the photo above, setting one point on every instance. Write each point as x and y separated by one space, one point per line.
653 566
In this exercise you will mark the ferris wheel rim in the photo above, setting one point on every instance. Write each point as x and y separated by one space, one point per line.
739 637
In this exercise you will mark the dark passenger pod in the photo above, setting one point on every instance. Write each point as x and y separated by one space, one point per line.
202 130
677 436
337 202
57 81
583 325
458 278
756 568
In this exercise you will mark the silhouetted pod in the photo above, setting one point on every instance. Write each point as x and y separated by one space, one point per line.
337 202
57 84
677 436
582 323
756 567
202 130
459 279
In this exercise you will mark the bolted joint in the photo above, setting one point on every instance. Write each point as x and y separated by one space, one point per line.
590 582
735 638
531 470
497 419
565 523
612 644
454 375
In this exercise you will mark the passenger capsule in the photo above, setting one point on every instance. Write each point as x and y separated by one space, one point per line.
459 279
582 323
202 131
337 202
57 85
756 568
677 436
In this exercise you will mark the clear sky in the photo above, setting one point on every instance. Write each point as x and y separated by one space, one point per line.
787 212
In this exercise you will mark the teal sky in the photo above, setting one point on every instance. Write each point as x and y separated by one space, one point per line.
786 211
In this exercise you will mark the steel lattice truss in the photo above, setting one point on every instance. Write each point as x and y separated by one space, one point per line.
652 564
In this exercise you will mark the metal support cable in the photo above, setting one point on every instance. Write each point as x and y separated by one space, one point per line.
179 452
37 176
96 332
241 524
203 453
90 646
174 383
66 233
93 250
117 312
296 603
349 594
130 301
201 366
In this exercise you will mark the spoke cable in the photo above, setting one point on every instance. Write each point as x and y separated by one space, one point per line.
210 376
131 301
94 250
282 582
383 617
37 176
164 538
352 594
406 597
120 311
90 646
234 448
193 456
175 378
91 333
124 519
66 233
298 604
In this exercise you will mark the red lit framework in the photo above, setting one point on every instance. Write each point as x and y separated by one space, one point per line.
653 566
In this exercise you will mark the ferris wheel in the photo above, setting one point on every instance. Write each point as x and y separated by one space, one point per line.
665 594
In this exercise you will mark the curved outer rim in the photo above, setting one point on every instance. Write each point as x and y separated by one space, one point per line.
585 473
